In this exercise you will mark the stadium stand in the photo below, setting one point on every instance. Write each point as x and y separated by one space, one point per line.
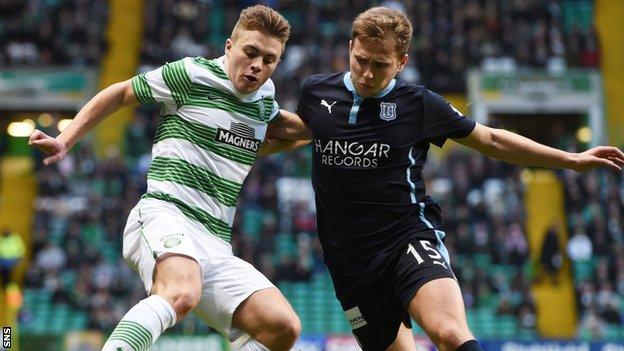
42 33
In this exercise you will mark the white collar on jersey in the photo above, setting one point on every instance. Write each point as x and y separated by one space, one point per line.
346 79
266 90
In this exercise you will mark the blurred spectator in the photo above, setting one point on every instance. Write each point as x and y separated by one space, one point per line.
51 258
551 258
516 247
579 247
11 252
592 325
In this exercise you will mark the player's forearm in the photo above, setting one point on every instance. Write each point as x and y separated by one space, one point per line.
514 148
99 107
275 145
290 127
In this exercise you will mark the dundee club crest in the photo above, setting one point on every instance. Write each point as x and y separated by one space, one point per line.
387 111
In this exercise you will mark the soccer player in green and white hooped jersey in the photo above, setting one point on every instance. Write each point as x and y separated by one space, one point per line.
214 119
206 140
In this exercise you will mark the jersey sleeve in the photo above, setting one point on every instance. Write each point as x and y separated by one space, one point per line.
168 84
442 121
304 101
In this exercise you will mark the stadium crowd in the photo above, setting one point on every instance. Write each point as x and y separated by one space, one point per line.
54 32
450 37
596 247
83 202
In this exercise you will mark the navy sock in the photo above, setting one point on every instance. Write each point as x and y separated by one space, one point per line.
470 345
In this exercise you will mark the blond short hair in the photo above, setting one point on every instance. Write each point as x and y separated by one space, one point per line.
263 19
375 24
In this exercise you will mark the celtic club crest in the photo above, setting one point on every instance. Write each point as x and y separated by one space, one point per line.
387 111
261 110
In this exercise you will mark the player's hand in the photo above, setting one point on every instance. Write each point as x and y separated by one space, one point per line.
599 156
51 146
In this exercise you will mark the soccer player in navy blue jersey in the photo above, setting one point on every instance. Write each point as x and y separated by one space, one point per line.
382 237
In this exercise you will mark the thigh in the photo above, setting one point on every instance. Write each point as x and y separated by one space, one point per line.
176 275
419 261
404 340
438 308
227 281
262 310
155 231
372 309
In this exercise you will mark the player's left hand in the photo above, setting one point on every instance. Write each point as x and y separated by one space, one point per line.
599 156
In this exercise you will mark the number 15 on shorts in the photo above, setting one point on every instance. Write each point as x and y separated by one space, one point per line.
429 251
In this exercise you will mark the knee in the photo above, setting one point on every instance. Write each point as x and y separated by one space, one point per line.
178 280
183 302
287 329
450 336
186 302
294 329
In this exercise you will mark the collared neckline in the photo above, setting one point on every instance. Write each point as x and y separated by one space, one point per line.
346 79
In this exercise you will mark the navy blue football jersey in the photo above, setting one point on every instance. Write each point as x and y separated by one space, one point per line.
367 164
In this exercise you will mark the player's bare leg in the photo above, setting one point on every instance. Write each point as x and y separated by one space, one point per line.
439 309
177 279
176 291
269 319
404 340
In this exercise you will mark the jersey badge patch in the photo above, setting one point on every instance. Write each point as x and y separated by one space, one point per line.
171 240
261 110
387 111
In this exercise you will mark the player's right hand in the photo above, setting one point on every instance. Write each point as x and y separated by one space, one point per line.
51 146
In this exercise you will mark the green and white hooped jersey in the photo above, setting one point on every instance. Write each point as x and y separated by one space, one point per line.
207 138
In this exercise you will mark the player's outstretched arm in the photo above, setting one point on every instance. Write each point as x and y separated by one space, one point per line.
99 107
510 147
287 133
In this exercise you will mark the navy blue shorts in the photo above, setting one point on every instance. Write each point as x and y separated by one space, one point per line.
376 302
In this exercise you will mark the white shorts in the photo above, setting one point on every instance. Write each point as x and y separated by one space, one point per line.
155 227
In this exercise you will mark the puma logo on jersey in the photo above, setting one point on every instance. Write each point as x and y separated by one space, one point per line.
329 107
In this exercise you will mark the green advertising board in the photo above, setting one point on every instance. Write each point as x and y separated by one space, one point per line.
62 88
